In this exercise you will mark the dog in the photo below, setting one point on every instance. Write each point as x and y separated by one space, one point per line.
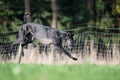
28 32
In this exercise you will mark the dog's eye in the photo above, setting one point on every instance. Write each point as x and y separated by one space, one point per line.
68 34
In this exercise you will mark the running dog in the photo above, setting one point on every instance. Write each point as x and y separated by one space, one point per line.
46 35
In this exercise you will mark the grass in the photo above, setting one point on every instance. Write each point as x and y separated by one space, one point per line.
59 72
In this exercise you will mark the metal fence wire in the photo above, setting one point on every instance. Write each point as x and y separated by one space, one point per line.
103 42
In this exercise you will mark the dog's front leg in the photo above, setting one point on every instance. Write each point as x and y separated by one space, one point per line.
66 53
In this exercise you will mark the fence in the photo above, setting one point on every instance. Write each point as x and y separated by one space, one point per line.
98 43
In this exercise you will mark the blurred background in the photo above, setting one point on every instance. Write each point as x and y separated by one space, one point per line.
69 14
95 23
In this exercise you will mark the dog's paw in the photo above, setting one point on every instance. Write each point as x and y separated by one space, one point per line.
74 58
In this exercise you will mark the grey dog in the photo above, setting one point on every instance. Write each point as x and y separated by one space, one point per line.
45 35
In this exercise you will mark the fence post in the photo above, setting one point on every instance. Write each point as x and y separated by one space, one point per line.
92 53
19 55
115 55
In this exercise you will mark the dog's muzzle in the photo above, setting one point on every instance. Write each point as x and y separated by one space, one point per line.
70 43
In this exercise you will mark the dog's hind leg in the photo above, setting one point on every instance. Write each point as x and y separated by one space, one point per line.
14 44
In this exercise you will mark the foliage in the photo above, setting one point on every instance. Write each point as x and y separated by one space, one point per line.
116 10
11 14
71 13
106 21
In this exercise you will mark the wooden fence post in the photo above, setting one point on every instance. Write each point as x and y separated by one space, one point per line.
92 52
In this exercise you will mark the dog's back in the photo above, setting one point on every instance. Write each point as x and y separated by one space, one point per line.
38 30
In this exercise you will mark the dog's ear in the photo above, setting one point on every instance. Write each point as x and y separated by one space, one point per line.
70 33
62 35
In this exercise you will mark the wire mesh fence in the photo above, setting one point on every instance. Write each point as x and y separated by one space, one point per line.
90 44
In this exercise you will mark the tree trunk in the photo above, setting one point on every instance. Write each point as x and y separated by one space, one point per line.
90 8
54 13
27 11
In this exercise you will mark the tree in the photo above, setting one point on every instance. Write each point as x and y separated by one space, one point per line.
54 13
90 8
27 11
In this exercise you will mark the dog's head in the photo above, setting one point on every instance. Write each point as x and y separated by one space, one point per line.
68 36
70 40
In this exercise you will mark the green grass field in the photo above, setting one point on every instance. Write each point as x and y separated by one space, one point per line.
59 72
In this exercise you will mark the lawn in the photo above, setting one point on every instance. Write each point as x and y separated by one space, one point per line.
59 72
